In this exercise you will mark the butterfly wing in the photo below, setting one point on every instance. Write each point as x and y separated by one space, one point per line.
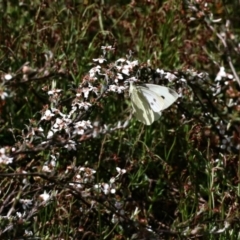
141 107
149 100
167 94
155 101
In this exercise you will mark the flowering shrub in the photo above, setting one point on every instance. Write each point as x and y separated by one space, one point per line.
74 163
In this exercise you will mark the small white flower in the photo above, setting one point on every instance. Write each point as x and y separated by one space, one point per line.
61 124
107 48
97 187
118 205
118 77
112 180
100 60
8 77
81 126
222 74
71 145
54 91
53 160
133 63
86 193
106 188
120 171
26 203
46 168
126 70
3 95
45 196
115 219
171 77
76 185
19 215
113 191
79 105
86 91
47 115
28 233
160 71
120 60
94 70
50 134
89 172
115 88
3 158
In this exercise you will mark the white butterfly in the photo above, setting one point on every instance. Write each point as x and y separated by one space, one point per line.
149 100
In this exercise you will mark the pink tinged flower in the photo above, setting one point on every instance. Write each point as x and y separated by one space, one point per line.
107 48
118 77
49 166
88 172
61 124
127 68
81 126
94 70
171 77
79 105
46 168
86 193
58 124
47 115
85 105
78 131
118 89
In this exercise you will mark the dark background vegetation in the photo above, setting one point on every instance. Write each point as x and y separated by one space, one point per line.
182 172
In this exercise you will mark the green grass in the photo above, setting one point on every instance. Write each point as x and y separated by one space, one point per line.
180 176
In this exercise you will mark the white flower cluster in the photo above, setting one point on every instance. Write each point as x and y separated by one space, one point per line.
49 166
111 186
4 159
83 177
